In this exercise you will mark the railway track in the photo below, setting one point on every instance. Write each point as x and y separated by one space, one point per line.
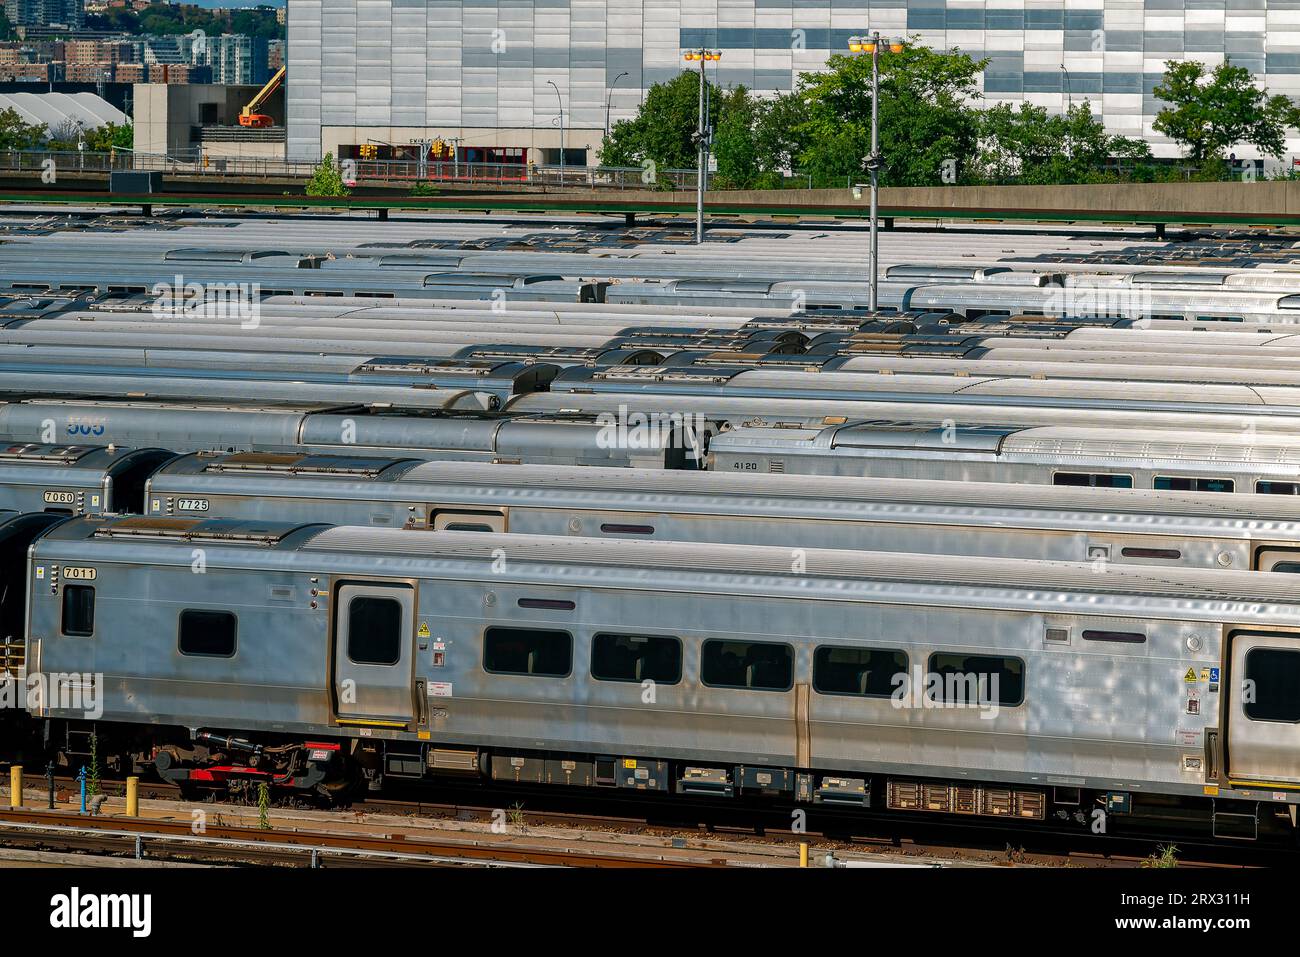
282 845
766 829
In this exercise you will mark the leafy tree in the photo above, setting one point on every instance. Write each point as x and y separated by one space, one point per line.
172 19
663 131
775 131
1209 113
927 123
1027 144
740 165
326 179
17 134
110 136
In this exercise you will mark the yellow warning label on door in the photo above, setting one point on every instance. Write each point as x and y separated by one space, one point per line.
1191 675
1205 674
424 629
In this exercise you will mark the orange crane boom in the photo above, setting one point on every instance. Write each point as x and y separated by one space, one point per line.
249 116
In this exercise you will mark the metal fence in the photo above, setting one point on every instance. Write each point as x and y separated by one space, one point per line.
404 172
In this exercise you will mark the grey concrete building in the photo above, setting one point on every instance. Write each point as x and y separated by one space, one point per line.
498 73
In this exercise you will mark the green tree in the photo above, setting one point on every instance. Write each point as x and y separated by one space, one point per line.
1027 144
663 131
776 136
735 145
17 134
1210 112
928 126
110 136
326 180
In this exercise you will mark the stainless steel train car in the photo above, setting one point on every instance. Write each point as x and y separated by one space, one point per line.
1000 297
1160 459
296 275
1171 529
1224 371
833 385
737 395
196 426
312 657
76 479
397 380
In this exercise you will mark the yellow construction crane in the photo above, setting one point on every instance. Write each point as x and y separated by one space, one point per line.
249 115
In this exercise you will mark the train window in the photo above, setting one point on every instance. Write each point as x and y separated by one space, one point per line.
554 604
1274 674
1131 637
868 672
1092 479
1172 554
755 665
1170 483
210 634
527 651
374 630
1278 488
445 520
655 658
978 679
78 611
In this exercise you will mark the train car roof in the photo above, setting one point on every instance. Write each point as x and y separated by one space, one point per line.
766 570
831 498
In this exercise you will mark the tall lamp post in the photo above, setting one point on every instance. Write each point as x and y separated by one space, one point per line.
610 99
871 44
702 136
559 99
1068 97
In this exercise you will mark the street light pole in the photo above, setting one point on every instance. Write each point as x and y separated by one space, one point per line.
701 161
702 137
559 99
610 99
875 170
871 44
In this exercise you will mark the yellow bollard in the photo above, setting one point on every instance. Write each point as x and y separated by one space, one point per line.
803 854
132 797
16 786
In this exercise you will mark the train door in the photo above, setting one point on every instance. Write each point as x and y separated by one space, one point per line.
17 532
373 653
1264 708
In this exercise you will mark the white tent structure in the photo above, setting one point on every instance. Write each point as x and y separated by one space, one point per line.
59 113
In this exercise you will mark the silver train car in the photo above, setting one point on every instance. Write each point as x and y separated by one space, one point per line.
1171 529
1164 460
397 380
325 428
315 657
724 410
76 479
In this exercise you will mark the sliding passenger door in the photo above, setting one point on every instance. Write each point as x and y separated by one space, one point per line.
1264 708
373 653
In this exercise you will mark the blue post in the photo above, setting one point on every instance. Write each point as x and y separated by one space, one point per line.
81 776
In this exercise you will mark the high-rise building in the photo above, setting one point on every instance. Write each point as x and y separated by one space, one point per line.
500 72
44 13
235 58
